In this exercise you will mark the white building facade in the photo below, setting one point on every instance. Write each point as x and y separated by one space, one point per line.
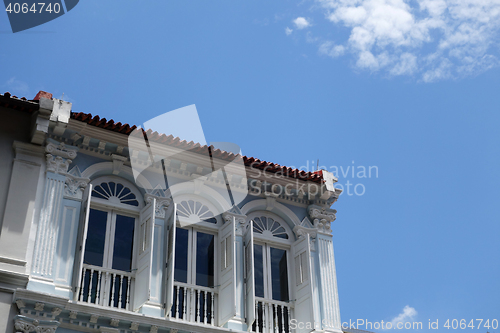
89 245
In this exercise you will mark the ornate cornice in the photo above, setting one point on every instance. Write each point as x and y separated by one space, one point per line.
27 325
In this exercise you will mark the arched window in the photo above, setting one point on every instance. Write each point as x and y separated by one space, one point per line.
268 241
196 248
108 244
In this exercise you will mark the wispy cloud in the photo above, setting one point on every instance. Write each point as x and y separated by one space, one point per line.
17 87
434 39
408 314
301 23
288 31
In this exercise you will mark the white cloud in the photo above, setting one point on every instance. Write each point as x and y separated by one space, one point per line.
288 31
436 39
18 88
331 49
408 314
301 23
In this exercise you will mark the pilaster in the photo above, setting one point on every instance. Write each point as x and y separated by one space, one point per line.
329 298
58 222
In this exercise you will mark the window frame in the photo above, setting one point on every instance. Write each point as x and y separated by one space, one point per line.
267 269
191 255
113 209
109 241
268 242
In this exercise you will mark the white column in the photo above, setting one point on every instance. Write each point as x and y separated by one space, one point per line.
59 157
48 227
328 280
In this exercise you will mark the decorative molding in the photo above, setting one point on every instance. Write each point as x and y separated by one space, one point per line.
270 200
103 329
174 330
114 322
281 210
81 312
118 162
59 156
162 201
56 311
306 228
39 306
60 149
134 326
306 222
322 217
239 219
27 325
153 329
102 145
20 304
301 231
76 137
86 140
57 164
75 184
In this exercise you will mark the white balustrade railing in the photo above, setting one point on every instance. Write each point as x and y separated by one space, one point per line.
106 287
194 303
272 316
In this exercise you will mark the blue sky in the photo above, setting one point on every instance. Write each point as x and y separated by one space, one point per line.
411 87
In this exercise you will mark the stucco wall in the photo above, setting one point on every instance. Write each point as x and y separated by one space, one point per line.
7 312
17 128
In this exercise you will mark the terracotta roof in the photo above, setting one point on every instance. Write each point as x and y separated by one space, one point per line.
196 147
14 102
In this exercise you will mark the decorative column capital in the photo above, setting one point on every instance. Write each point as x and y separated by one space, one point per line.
239 219
306 228
322 217
59 156
75 184
27 325
162 201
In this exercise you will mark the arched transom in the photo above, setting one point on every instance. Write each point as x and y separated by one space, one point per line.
195 211
115 192
267 226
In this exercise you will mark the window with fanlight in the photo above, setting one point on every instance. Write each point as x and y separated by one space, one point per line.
195 262
267 245
108 243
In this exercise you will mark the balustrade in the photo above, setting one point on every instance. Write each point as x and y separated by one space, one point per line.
271 316
194 303
107 287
